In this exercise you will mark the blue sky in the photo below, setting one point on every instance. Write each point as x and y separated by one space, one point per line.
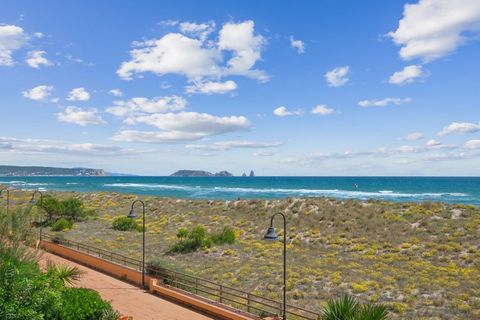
281 87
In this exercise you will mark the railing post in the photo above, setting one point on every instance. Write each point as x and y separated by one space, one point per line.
196 285
248 302
221 294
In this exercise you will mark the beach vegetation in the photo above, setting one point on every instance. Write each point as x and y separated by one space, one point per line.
62 224
347 308
70 208
197 238
372 248
27 291
123 223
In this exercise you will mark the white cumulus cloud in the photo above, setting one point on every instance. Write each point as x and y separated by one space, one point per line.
191 55
139 105
245 47
322 110
212 87
116 92
431 29
299 45
80 116
182 126
78 94
337 77
460 127
383 102
472 144
199 30
414 136
36 59
38 93
12 38
408 74
283 112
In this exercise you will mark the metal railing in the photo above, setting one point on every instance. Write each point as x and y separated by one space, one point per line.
215 292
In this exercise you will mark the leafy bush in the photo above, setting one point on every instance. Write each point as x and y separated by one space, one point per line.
27 292
124 224
347 308
53 207
227 236
73 208
70 208
189 241
83 304
197 239
62 224
182 233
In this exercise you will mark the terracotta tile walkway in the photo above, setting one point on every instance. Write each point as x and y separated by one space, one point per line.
127 299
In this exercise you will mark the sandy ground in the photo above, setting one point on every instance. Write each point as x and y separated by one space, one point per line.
127 299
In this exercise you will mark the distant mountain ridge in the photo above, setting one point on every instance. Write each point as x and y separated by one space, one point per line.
49 171
200 173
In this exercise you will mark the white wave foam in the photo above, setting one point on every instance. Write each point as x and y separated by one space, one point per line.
147 186
300 192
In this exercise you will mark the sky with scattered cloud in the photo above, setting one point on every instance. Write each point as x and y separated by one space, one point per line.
337 89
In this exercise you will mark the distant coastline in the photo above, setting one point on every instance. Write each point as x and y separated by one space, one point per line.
39 171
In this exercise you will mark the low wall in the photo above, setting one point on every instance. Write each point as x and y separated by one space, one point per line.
194 302
110 268
135 277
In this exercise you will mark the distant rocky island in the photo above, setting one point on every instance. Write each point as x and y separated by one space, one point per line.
252 174
200 173
49 171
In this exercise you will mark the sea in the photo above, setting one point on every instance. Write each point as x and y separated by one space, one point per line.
464 190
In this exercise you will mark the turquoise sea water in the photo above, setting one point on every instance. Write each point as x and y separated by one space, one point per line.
448 189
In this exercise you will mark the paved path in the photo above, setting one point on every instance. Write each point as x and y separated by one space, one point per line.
127 299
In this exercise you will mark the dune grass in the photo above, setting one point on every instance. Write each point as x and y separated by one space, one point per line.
420 260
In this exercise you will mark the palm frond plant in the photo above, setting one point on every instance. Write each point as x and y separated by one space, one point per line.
347 308
64 273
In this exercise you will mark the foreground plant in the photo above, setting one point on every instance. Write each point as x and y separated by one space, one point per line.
27 292
347 308
64 273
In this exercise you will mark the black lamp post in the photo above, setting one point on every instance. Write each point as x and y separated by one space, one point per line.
8 196
133 215
272 235
33 201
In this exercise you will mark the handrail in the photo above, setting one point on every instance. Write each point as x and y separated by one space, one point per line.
238 299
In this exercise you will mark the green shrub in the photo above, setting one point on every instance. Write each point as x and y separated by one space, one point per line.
70 208
227 236
62 224
197 239
182 233
73 209
52 207
83 304
186 246
124 224
27 292
347 308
